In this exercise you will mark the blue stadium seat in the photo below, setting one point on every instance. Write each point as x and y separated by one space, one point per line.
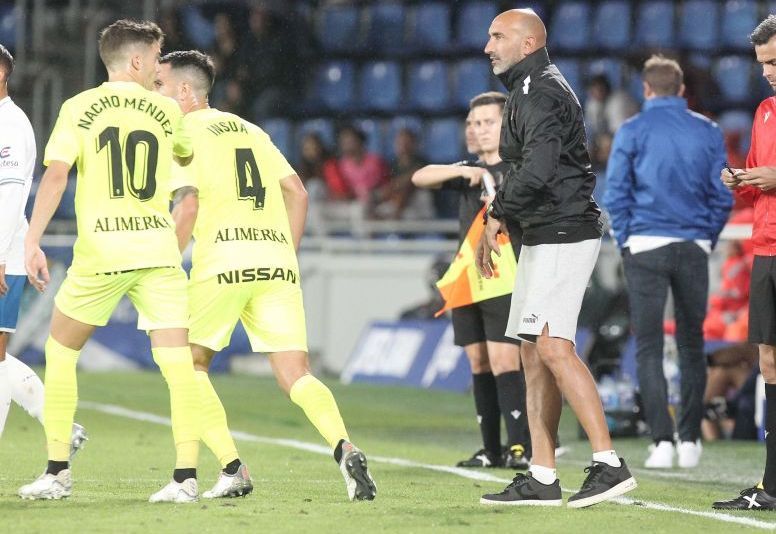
393 126
322 127
380 86
655 24
375 141
612 25
472 77
610 67
429 89
279 130
636 87
739 17
474 19
429 26
335 85
8 25
386 27
570 27
699 24
443 140
733 75
337 28
198 29
572 71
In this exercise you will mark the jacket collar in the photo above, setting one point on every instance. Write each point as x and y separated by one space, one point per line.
665 101
534 61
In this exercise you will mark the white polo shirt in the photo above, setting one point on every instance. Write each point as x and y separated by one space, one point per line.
17 162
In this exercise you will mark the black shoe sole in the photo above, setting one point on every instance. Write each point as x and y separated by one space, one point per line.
242 492
365 486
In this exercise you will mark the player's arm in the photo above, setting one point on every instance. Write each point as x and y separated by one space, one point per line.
433 176
184 213
47 200
295 199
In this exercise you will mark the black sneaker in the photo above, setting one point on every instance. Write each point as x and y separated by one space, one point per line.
525 490
514 458
749 499
603 482
482 458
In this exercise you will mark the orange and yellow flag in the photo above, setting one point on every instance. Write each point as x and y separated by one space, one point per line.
462 284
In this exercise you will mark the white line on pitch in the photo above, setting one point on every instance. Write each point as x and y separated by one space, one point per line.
113 409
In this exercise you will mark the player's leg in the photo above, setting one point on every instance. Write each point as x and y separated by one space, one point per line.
160 298
9 314
5 384
510 385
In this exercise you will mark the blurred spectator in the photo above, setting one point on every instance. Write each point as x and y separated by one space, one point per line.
362 171
174 37
399 198
730 393
605 110
268 59
318 168
227 92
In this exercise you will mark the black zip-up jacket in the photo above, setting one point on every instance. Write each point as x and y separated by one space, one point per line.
548 189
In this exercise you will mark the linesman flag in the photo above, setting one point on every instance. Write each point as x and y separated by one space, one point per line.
462 284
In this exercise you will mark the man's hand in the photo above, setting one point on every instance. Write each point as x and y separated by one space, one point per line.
763 178
35 264
731 180
488 243
3 284
473 174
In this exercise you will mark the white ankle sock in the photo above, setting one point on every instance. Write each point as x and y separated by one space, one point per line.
5 394
544 475
607 457
26 387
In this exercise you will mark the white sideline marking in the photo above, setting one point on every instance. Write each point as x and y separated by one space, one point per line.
113 409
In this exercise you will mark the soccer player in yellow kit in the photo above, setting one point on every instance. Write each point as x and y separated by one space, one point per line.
247 208
123 138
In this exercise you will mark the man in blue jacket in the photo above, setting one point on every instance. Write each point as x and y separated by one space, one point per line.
667 208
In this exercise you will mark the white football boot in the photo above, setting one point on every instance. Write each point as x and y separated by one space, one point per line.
236 485
359 483
661 456
689 453
179 492
78 439
48 486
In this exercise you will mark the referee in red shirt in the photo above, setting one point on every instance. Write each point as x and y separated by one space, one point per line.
757 183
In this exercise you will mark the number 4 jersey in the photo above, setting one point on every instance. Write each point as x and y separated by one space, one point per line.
122 138
242 231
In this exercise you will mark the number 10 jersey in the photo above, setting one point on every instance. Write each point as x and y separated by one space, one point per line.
122 138
242 233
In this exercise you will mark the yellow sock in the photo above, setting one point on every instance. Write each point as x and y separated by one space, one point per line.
178 370
319 405
215 431
61 393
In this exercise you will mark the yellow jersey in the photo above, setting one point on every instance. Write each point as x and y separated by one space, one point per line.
122 138
242 233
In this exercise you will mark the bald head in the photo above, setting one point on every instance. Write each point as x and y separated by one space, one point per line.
514 34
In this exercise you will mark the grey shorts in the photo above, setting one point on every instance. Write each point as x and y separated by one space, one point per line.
549 286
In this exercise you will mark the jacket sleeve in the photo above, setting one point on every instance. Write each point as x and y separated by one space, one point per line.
542 128
719 198
620 181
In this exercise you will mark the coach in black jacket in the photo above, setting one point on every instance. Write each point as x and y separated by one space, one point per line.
548 191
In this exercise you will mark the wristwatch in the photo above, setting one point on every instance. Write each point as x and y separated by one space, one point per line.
492 212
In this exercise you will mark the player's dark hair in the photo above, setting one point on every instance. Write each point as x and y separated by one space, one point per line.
123 33
6 62
663 75
764 31
486 99
353 130
194 61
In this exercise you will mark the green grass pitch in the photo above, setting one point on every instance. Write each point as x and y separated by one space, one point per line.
299 490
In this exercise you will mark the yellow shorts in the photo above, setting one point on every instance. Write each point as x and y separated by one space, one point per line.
158 294
271 311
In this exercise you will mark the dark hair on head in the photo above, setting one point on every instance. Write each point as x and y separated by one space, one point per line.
663 75
354 130
764 31
486 99
123 33
600 79
195 61
6 62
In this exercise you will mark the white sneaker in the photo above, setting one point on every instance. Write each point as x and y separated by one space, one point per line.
236 485
48 486
180 492
661 456
78 439
689 453
358 480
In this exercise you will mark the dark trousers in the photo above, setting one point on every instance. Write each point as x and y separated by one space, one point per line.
684 268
